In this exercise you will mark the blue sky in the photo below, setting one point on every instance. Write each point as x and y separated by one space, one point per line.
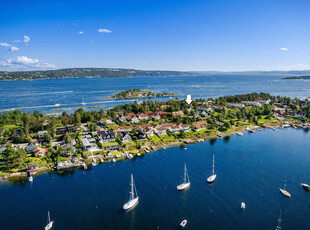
195 35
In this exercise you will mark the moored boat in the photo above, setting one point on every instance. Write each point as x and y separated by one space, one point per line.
242 205
186 183
183 223
212 178
284 192
30 179
49 222
133 196
306 187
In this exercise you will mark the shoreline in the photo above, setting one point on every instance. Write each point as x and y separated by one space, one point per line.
174 143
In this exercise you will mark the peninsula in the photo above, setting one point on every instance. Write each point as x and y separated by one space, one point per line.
34 143
139 93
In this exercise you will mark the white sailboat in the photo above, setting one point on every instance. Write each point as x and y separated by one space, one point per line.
279 222
83 103
186 183
49 222
212 178
284 192
133 198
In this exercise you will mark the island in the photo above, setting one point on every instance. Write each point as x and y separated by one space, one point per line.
34 143
139 93
307 77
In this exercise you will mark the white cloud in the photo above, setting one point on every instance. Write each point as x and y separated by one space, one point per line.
4 44
81 32
104 31
26 38
23 62
16 41
14 48
284 49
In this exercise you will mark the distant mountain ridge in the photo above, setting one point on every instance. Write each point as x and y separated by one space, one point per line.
85 73
120 73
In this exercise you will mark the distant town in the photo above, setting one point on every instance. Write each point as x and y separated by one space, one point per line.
35 143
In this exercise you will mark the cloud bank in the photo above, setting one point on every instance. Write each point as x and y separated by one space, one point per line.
104 31
23 62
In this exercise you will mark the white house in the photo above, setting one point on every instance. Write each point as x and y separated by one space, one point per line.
264 101
255 103
160 130
205 108
237 105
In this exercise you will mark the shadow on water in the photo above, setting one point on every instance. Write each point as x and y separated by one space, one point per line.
18 180
66 172
212 141
226 138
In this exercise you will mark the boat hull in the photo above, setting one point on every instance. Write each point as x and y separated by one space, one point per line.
183 223
285 193
183 186
131 204
306 187
49 226
211 179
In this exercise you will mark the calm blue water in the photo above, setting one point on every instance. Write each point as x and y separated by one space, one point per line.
249 168
42 95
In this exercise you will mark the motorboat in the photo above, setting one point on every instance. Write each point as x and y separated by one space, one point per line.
183 223
242 205
306 187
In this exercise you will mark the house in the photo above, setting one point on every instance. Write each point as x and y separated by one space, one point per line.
254 103
156 116
121 118
41 135
2 148
217 106
200 124
237 105
278 110
105 137
178 113
202 113
106 121
65 130
301 114
164 106
86 145
134 119
219 123
111 147
148 131
160 130
175 128
185 127
139 134
30 148
125 137
205 108
75 160
264 101
163 114
40 152
124 129
141 127
143 117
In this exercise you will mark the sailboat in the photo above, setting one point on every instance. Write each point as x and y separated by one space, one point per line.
279 222
133 198
212 178
186 183
284 192
83 103
49 222
306 187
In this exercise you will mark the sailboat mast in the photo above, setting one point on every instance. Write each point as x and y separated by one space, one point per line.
213 166
184 173
132 192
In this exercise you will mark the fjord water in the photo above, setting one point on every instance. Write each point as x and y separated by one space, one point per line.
43 95
250 168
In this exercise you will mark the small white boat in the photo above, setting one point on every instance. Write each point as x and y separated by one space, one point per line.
94 162
57 105
30 179
49 222
186 183
284 192
114 160
138 154
212 178
242 205
183 223
101 160
130 156
306 187
133 197
84 166
239 133
147 151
